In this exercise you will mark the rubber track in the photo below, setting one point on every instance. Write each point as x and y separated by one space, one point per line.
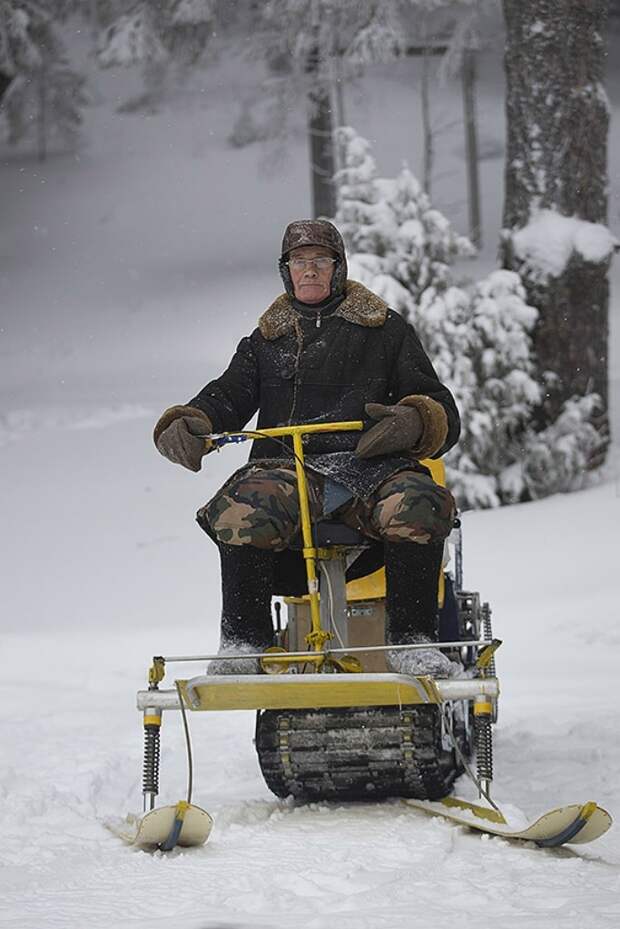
355 754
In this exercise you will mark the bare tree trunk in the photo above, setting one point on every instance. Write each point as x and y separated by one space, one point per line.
321 137
427 132
339 91
556 159
5 80
471 146
93 11
338 96
42 115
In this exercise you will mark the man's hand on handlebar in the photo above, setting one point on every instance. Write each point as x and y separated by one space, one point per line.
399 428
181 435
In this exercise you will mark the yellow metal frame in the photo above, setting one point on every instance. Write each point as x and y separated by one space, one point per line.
317 637
276 690
372 586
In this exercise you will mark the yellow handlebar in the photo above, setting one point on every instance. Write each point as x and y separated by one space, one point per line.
278 431
353 426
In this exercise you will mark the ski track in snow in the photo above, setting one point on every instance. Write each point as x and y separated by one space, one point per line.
73 762
319 863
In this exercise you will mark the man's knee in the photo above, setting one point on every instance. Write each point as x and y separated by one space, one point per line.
412 508
259 508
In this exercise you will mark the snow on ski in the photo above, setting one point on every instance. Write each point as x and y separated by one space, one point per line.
574 823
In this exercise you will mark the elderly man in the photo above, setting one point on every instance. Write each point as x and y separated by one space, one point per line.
327 349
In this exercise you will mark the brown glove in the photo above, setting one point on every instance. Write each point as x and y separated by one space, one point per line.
422 437
399 429
179 436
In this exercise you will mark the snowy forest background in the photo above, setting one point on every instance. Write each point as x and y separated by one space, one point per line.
151 155
509 343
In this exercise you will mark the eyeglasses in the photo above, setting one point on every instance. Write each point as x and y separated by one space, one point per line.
302 264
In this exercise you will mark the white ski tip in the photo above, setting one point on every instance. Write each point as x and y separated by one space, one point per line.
166 827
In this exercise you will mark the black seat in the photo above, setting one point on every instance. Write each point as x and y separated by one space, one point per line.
289 569
332 533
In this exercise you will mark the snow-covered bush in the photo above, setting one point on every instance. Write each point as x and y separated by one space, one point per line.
478 337
133 37
558 458
157 35
480 344
157 32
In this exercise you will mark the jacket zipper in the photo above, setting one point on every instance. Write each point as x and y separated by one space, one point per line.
300 344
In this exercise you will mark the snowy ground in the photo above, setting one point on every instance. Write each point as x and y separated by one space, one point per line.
119 298
72 739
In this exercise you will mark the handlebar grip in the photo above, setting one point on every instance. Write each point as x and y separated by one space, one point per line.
226 439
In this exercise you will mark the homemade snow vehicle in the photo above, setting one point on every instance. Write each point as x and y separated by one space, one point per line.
332 723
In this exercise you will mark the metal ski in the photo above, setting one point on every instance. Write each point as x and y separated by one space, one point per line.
575 823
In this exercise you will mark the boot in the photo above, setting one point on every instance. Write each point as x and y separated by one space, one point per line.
247 586
412 581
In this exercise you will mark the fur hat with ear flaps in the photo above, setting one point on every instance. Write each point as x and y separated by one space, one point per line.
314 232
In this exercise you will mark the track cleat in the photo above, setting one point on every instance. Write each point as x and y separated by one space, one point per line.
419 662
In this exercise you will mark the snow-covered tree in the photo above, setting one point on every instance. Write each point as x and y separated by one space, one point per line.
156 34
312 46
45 95
17 50
555 211
400 244
158 30
479 337
303 44
362 216
479 340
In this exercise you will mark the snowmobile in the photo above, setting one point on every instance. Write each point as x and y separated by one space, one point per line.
332 723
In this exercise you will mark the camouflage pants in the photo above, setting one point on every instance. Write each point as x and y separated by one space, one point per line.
261 508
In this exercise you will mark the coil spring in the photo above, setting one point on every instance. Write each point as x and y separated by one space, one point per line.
150 770
488 633
484 748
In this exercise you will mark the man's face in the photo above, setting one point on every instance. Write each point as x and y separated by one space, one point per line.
311 284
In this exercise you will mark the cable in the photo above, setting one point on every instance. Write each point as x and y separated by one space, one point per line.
188 745
258 434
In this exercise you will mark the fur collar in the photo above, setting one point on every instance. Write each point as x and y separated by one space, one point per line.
360 306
